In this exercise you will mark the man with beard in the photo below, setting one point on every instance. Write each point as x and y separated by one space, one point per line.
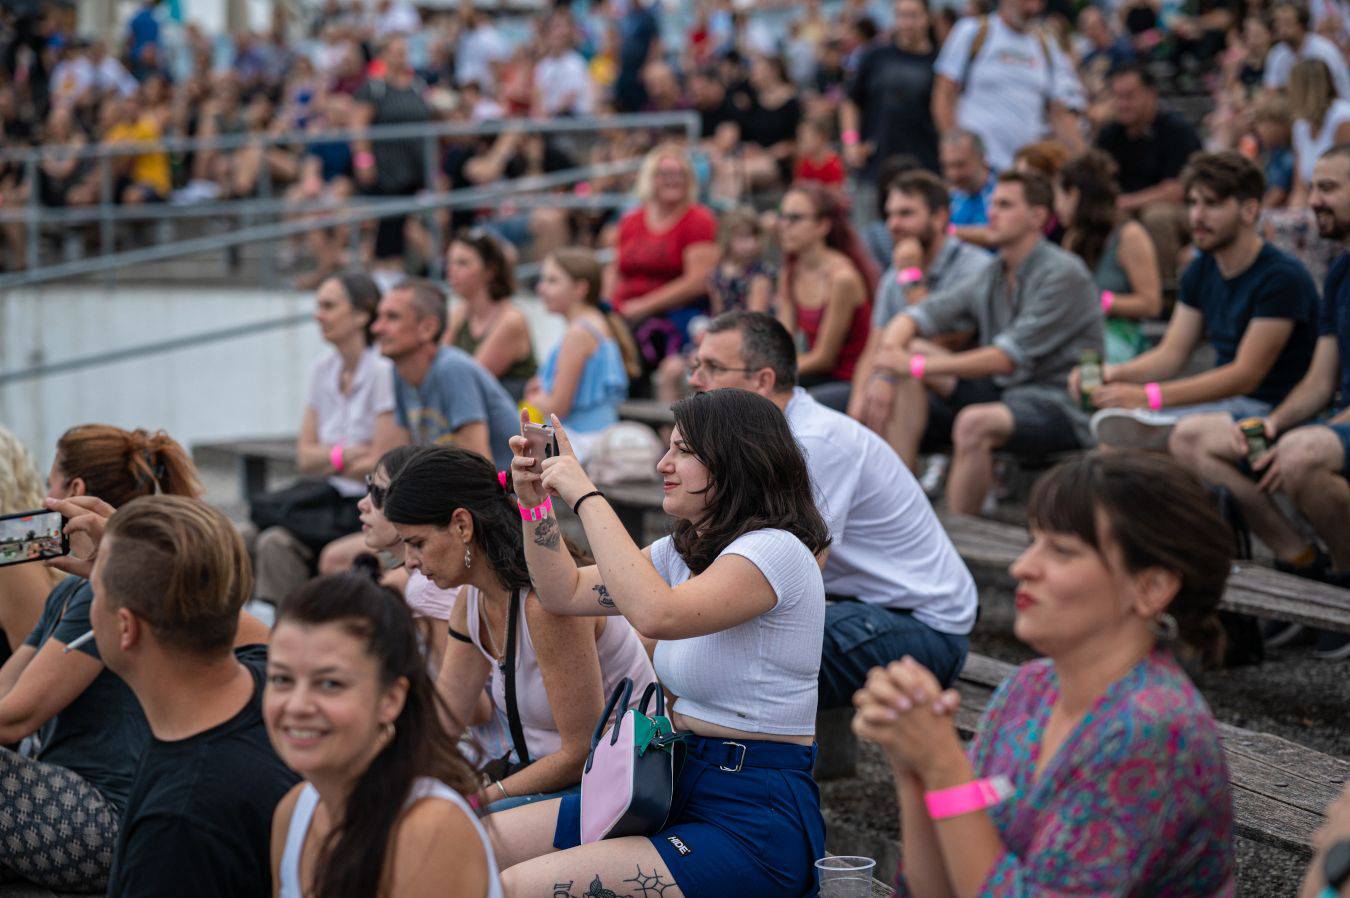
1256 305
1309 463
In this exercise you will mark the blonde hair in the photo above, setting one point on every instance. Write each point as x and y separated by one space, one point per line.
646 179
1311 92
20 484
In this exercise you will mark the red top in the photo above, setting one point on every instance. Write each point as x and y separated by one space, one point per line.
828 171
648 259
808 322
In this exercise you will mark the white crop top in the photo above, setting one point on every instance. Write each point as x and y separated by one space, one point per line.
424 787
760 676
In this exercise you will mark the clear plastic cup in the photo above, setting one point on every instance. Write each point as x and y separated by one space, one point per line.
845 877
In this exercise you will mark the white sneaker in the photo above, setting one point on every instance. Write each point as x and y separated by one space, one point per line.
933 473
1132 428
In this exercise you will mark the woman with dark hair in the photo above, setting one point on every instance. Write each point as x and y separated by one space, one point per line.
824 290
549 674
735 602
486 324
1099 767
1116 249
348 423
349 706
769 136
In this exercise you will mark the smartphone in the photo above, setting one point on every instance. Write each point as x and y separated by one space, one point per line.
32 536
543 441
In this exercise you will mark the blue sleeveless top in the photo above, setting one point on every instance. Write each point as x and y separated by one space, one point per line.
603 384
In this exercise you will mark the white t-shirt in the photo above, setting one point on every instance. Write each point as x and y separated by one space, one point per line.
760 676
1005 88
478 50
1281 59
1308 146
350 419
888 546
564 85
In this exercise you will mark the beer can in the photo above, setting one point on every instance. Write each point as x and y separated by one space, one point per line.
1254 429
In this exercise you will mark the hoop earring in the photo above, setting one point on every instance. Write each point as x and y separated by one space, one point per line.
468 558
1164 626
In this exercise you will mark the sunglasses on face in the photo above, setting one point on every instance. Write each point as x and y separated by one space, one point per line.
376 493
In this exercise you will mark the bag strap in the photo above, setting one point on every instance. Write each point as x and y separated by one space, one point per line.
620 698
981 35
509 669
653 688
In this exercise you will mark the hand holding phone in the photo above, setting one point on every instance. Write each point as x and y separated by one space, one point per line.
32 536
543 442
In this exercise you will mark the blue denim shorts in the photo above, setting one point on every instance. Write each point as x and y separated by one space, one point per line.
744 821
1342 432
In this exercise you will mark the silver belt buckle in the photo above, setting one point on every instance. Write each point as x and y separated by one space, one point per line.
740 762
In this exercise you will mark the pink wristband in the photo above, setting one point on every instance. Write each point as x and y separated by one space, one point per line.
1108 300
849 138
336 460
364 159
917 364
909 275
976 796
1154 394
539 512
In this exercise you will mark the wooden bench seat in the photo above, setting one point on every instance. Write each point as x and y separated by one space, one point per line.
1252 588
254 457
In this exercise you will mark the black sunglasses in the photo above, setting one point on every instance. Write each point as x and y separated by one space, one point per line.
376 493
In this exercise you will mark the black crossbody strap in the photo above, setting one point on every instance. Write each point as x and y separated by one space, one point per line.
509 669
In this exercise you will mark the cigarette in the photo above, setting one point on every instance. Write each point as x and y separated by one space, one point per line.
79 642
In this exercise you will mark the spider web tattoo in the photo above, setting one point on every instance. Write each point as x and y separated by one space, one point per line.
651 884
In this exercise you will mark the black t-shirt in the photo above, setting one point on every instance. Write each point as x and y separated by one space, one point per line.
1334 320
767 127
1158 155
893 89
399 166
199 819
1273 286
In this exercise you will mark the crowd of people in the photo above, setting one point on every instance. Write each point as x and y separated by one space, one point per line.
907 247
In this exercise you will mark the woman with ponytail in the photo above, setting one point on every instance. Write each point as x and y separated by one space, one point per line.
824 291
350 706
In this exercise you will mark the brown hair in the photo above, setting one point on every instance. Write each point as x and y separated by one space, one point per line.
926 186
1093 175
181 565
118 465
501 275
1311 91
1044 156
1036 189
363 295
833 207
580 265
1227 174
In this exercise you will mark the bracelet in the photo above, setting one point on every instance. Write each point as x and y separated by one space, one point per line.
538 512
917 365
909 275
976 796
498 784
1108 300
1154 394
576 508
336 460
364 159
849 138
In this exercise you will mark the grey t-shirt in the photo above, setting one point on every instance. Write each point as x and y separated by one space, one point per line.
955 262
457 391
101 734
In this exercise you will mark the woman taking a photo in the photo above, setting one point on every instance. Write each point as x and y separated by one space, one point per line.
736 604
1116 249
462 531
349 706
1105 756
487 325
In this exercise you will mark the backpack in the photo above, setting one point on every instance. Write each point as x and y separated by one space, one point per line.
982 34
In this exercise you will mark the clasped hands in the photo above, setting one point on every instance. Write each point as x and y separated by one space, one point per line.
905 711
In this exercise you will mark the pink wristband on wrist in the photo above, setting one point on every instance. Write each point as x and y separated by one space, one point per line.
336 459
1153 392
538 512
364 159
976 796
1108 300
909 275
849 138
917 365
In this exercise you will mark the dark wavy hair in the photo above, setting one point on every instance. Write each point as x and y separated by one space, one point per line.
501 282
1093 175
438 480
352 858
757 475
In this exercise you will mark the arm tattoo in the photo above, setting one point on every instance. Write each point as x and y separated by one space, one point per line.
546 534
604 598
563 890
597 890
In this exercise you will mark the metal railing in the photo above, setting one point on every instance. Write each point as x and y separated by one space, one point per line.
108 214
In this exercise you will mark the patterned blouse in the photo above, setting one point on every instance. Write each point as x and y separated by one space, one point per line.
1135 803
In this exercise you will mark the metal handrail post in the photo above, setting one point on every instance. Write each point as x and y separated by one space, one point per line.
269 261
429 170
105 222
32 234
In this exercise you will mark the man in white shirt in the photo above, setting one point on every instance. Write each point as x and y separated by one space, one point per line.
1003 79
562 82
898 585
1296 42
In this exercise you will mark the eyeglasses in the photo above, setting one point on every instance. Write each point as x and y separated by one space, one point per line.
695 364
376 493
791 218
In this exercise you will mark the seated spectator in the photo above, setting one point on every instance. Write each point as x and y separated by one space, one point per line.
1321 121
1150 146
486 324
1033 314
665 251
441 394
348 424
141 177
769 132
896 584
1297 43
817 160
63 176
562 82
742 279
170 579
1255 304
926 260
583 379
1127 550
1273 122
461 530
24 586
734 597
324 181
1309 453
824 290
374 751
969 179
1116 250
